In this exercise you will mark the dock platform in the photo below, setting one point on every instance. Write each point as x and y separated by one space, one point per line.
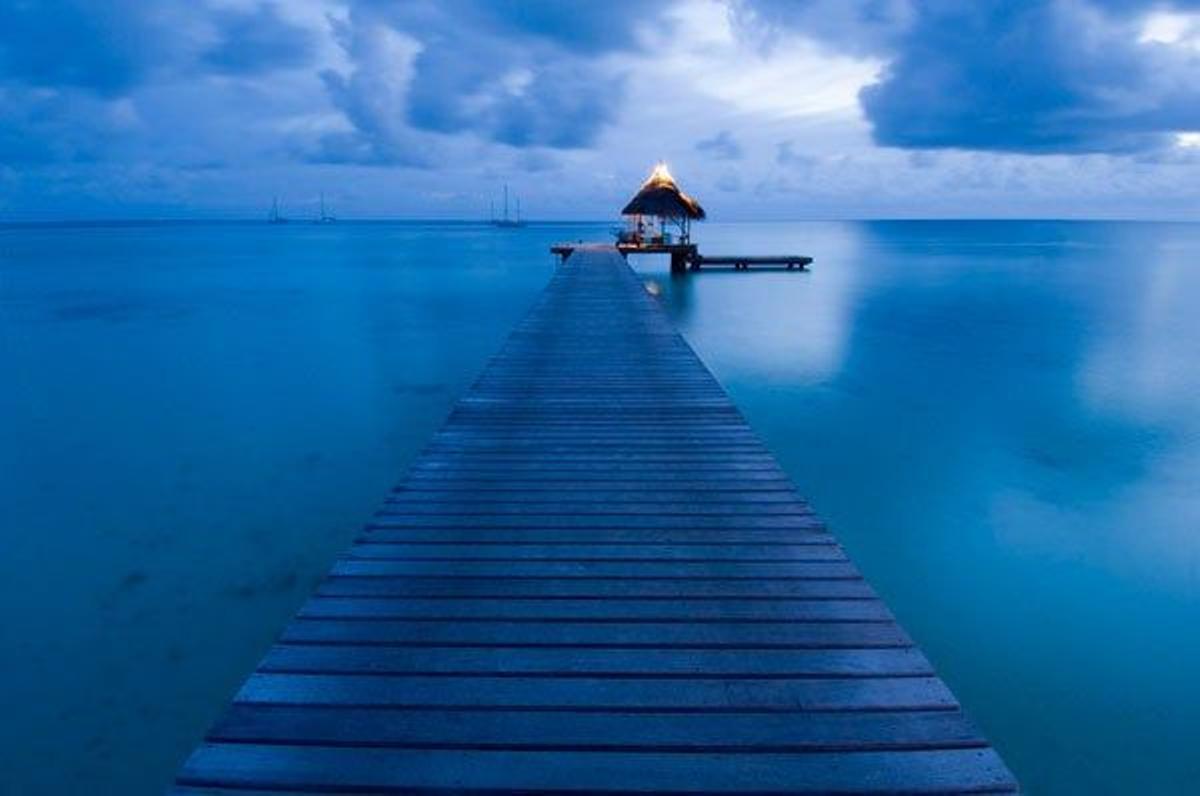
736 263
687 257
595 579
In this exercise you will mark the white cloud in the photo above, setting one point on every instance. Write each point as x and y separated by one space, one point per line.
793 77
1172 28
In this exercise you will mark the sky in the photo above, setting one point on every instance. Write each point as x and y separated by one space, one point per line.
773 109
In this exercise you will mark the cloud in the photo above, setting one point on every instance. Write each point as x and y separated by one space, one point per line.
258 40
722 146
1042 77
67 125
729 182
858 27
559 102
786 155
104 47
126 106
524 74
1046 76
112 47
589 28
373 96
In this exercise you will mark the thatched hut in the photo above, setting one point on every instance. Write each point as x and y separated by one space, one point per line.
660 203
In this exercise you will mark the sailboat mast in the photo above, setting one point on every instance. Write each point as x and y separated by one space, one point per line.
506 201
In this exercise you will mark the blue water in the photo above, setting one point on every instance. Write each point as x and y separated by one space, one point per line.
1000 421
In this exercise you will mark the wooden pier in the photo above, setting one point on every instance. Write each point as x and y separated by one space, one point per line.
785 262
595 579
686 257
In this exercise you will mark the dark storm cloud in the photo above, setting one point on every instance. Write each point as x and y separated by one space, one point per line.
1047 76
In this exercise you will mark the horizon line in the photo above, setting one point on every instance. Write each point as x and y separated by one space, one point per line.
304 222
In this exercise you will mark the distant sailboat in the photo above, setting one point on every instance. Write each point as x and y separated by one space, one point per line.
324 218
274 217
506 221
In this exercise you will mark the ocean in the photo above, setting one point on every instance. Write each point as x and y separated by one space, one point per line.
999 420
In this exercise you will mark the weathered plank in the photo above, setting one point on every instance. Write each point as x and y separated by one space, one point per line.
374 547
565 662
595 579
392 770
565 633
582 610
646 731
603 694
597 588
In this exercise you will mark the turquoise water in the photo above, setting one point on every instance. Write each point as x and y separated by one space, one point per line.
998 419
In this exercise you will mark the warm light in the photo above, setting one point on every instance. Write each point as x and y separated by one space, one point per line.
660 180
659 175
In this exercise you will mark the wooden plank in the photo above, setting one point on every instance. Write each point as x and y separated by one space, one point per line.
631 537
577 478
624 570
629 635
350 769
662 664
627 537
498 550
603 694
498 508
722 522
415 495
594 579
572 730
557 588
611 610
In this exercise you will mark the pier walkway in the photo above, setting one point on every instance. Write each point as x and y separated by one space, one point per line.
594 579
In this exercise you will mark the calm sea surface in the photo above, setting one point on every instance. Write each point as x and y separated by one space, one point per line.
1001 421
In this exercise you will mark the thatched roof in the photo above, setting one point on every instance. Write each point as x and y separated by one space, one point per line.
660 196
